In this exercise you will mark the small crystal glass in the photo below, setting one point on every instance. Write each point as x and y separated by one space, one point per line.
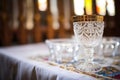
107 52
62 51
88 30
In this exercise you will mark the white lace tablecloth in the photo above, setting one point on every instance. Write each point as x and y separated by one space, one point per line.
15 64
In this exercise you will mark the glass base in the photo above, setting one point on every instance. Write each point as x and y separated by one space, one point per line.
88 67
100 60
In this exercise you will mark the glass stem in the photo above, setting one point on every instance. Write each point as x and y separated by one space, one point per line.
89 54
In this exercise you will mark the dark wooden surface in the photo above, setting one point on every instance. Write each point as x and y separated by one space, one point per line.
41 32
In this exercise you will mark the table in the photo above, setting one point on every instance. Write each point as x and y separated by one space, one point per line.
16 64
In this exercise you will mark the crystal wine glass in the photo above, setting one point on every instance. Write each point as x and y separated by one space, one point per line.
88 30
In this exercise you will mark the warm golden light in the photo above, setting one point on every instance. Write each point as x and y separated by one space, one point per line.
79 7
54 12
88 7
110 7
29 15
42 5
66 14
101 7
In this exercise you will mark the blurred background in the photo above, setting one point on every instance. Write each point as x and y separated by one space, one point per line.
34 21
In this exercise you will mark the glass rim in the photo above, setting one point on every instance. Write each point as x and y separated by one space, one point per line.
88 18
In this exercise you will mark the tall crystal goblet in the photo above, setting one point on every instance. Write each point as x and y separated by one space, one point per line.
88 30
